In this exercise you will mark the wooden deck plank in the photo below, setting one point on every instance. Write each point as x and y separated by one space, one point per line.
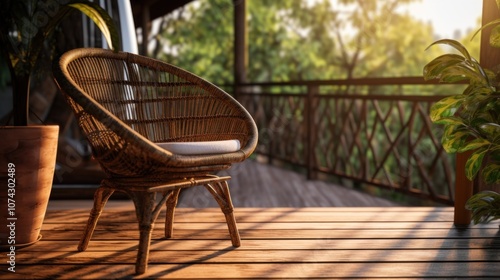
292 214
86 204
431 270
271 245
210 234
109 255
277 243
110 226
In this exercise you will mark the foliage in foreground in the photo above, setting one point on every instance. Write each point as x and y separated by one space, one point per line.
471 119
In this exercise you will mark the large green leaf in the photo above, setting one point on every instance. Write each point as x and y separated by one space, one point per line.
446 107
471 69
455 44
32 35
491 173
495 36
434 68
474 162
101 18
450 121
477 121
461 72
491 75
454 137
485 206
474 144
494 22
494 105
478 89
492 129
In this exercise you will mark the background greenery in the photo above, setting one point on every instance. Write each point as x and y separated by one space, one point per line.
300 40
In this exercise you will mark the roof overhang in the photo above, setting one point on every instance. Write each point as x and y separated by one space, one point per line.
155 8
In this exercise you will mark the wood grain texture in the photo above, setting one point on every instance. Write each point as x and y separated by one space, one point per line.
276 243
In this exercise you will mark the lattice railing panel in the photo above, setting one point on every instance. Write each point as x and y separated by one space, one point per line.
386 141
280 120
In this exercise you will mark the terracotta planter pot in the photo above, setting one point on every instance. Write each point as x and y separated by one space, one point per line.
27 163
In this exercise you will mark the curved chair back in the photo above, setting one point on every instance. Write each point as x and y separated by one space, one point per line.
121 98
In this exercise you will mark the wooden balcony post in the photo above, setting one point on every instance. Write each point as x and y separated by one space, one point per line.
240 44
488 56
146 27
463 191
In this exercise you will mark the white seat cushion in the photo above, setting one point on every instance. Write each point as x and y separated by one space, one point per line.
201 148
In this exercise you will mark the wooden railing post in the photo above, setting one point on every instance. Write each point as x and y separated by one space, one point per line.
240 44
311 130
463 191
270 135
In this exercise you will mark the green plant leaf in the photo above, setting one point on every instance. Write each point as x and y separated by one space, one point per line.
474 162
491 173
478 120
454 137
471 69
450 121
31 46
474 144
477 89
454 44
461 72
495 36
491 75
446 107
493 22
101 18
492 129
485 206
433 69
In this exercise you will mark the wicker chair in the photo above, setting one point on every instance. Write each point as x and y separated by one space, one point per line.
126 105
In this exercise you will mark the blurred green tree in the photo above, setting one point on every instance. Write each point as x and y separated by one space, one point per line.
298 40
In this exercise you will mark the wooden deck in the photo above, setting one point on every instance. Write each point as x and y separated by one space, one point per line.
277 243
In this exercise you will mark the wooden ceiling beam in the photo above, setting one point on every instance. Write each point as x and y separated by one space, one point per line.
154 9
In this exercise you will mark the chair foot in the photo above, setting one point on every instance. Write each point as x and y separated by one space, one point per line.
101 196
147 211
233 229
172 198
141 264
220 191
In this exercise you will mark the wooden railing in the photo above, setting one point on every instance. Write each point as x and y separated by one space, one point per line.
371 131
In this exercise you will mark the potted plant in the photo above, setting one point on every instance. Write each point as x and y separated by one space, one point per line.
471 119
28 152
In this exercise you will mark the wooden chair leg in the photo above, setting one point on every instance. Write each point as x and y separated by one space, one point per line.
101 196
172 198
147 211
220 191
